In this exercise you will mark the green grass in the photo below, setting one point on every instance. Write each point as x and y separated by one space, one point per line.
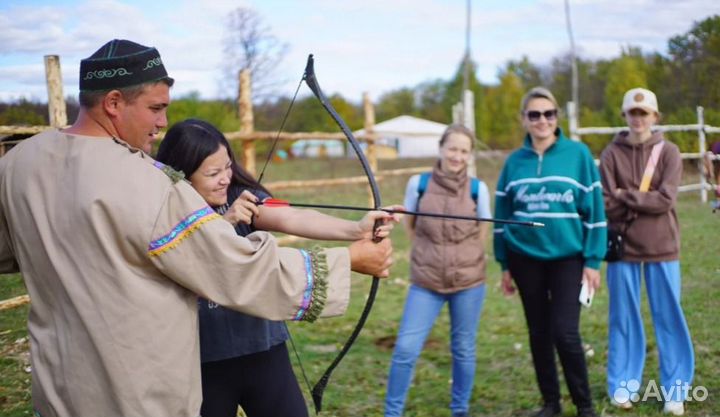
14 356
505 381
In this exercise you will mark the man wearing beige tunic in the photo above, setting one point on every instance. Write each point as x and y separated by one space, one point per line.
114 249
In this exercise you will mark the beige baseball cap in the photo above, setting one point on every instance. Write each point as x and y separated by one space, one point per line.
640 98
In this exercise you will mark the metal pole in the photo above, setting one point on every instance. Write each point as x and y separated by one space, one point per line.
573 63
466 96
466 72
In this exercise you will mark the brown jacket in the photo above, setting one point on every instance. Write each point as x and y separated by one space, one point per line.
648 218
447 255
113 253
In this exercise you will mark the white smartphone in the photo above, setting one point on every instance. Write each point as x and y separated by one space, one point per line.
586 294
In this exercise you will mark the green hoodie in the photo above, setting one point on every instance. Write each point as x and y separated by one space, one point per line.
560 188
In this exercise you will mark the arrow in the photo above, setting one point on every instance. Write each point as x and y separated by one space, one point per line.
276 202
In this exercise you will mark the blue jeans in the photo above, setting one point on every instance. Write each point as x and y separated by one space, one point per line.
421 309
626 346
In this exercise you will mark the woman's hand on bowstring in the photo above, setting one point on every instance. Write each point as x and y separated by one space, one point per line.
243 209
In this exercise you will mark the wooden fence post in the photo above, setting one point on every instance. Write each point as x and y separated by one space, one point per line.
369 125
468 120
573 120
57 110
702 148
245 114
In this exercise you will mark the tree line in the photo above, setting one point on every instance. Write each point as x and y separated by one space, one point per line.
683 77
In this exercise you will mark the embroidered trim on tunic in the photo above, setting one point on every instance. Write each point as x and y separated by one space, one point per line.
315 295
174 175
182 230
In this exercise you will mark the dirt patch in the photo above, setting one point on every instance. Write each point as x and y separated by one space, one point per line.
388 343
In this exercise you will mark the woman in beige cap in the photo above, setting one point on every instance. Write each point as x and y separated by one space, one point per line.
640 174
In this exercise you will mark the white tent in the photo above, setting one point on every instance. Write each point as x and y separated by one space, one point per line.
314 148
410 136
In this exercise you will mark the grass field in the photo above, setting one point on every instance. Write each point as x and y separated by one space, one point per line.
505 384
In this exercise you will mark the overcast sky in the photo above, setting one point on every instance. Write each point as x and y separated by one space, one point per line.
359 45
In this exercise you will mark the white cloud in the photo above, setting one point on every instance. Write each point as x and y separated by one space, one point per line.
23 74
20 32
359 45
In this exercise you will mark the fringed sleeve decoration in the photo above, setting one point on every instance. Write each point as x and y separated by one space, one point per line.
315 295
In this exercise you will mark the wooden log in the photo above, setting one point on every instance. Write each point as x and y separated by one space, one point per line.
57 111
14 302
245 113
22 130
369 125
280 185
284 185
263 135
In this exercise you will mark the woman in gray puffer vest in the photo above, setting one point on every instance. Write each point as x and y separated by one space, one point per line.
447 266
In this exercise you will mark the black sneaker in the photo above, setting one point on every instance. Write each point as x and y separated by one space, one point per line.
549 410
460 414
586 412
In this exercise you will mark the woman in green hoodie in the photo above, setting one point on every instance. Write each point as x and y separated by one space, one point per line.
552 180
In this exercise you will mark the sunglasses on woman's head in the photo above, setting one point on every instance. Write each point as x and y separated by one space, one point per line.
534 115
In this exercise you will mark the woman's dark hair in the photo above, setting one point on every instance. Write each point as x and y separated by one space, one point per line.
188 143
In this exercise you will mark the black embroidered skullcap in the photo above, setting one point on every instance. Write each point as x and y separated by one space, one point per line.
121 63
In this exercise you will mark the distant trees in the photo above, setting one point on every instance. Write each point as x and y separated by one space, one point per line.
529 74
501 120
397 102
23 112
624 73
686 76
696 56
221 113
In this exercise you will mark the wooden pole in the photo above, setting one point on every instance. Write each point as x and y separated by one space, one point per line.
369 126
573 120
56 102
245 114
14 302
702 147
468 113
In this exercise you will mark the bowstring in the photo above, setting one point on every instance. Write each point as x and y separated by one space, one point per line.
297 356
282 126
